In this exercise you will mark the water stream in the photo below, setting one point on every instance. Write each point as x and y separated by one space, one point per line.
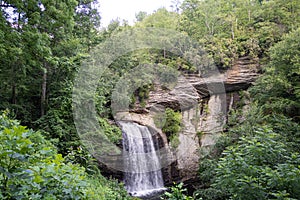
143 175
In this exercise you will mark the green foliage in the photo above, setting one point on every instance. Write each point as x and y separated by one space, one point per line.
160 19
103 189
177 193
140 16
174 140
112 132
278 90
172 123
56 126
236 28
87 19
246 133
82 157
289 129
240 123
172 126
46 40
43 48
259 167
159 120
200 134
206 170
168 76
32 169
142 93
243 122
210 194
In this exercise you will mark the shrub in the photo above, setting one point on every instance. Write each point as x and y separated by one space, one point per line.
177 193
259 167
172 123
30 168
113 133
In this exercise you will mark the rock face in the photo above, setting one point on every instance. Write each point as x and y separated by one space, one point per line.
203 101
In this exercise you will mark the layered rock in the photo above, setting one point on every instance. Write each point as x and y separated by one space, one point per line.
203 101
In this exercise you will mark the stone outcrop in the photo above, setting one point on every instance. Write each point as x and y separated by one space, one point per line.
203 101
242 74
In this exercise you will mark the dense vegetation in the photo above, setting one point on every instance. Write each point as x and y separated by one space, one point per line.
42 45
31 168
258 158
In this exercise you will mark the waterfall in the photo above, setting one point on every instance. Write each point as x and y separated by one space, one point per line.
142 168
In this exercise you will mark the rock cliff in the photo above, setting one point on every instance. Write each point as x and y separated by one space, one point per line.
203 101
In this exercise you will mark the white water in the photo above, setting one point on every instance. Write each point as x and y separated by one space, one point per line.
141 163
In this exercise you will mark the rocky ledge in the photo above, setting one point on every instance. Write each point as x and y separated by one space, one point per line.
203 101
193 87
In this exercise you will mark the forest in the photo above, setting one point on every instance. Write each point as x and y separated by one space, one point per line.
44 44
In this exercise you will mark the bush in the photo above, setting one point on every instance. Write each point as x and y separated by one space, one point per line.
177 193
259 167
113 133
172 123
30 168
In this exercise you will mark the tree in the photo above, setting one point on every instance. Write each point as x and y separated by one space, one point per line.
140 16
44 43
279 90
87 22
233 29
25 49
162 18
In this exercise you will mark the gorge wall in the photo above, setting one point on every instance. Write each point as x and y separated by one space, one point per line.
203 102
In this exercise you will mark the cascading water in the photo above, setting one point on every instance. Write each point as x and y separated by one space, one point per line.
143 175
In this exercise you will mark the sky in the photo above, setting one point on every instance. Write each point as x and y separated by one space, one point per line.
126 9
